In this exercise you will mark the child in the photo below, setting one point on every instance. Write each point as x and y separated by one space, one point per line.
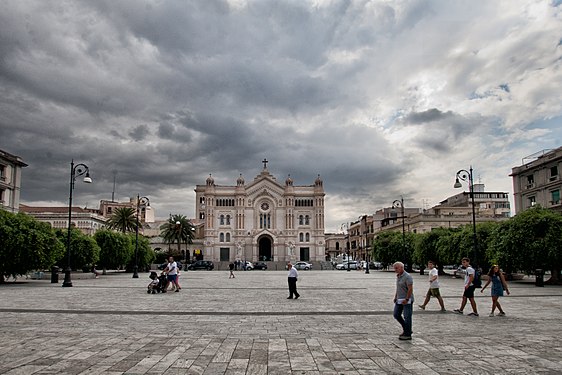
153 285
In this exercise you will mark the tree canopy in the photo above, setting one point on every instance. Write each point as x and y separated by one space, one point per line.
26 244
123 219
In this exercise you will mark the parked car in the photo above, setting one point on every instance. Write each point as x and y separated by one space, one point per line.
375 265
260 266
302 266
164 265
343 266
459 272
201 265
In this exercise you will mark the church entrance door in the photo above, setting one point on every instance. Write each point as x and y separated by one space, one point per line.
265 252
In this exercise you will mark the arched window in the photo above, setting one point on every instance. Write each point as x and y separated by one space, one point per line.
308 237
306 220
227 219
222 220
228 237
301 237
337 245
221 237
301 220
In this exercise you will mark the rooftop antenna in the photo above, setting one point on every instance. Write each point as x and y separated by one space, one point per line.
113 192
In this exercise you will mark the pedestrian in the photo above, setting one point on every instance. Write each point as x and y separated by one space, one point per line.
172 271
495 276
95 272
469 287
231 268
403 300
292 280
433 290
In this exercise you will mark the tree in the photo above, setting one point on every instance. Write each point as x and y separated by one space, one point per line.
388 247
116 249
124 219
529 241
177 229
26 244
84 251
146 255
428 248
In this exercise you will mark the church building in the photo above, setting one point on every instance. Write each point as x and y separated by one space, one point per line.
263 220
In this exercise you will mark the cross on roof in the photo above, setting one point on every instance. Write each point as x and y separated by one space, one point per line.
264 161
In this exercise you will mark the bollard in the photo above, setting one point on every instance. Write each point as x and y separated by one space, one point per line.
54 275
539 280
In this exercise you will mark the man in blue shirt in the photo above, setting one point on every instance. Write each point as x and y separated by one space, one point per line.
403 300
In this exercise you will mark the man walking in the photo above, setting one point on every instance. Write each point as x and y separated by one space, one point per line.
292 280
172 271
403 300
468 288
433 290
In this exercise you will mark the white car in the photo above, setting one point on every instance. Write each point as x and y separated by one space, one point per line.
303 266
343 266
249 266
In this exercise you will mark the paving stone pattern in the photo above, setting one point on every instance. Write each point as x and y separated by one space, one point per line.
342 324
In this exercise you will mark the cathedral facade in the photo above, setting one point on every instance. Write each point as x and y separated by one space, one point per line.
263 220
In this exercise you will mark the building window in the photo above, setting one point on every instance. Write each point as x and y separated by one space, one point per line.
553 173
555 195
222 220
227 219
301 220
301 237
337 246
221 237
530 181
532 201
2 195
201 200
308 237
201 215
2 172
228 237
306 220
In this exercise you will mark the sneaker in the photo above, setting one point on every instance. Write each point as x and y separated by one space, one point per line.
501 313
473 314
443 310
404 337
492 314
177 290
457 311
421 307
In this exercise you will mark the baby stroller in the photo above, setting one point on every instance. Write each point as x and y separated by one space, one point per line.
158 283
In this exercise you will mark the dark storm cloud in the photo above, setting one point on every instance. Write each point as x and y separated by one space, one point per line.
367 94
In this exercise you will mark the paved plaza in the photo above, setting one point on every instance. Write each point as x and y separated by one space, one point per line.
342 324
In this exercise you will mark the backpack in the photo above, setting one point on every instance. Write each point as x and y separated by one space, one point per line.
477 281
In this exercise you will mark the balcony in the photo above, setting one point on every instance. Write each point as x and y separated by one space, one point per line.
530 185
553 178
555 203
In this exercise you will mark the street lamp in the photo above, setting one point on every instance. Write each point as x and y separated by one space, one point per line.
467 176
75 171
364 219
178 229
144 202
347 245
400 203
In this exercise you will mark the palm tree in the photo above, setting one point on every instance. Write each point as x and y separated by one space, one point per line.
177 229
123 219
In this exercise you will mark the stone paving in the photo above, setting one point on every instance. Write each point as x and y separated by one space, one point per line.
342 324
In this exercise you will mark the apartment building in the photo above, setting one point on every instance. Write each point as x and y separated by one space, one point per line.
10 181
537 181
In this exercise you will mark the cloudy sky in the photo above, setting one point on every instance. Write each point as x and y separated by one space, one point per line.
381 98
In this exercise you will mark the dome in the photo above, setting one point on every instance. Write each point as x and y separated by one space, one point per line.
289 181
240 181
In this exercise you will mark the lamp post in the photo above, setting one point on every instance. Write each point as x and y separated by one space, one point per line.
364 226
467 176
144 202
347 244
75 171
178 229
400 203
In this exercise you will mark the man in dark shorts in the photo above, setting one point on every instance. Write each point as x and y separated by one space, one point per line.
468 289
